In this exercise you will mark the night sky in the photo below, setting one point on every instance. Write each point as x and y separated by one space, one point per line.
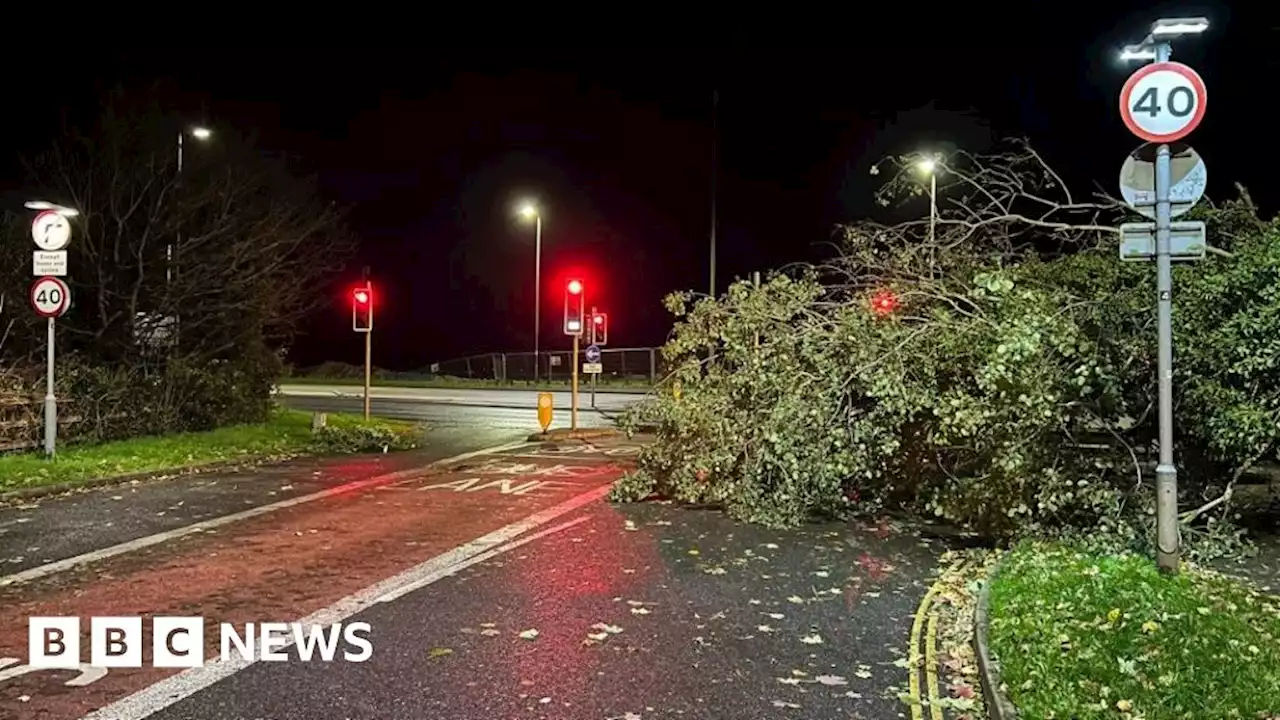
432 150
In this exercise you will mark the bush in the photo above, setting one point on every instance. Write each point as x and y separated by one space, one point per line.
365 437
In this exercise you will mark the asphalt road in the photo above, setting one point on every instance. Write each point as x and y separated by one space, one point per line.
641 612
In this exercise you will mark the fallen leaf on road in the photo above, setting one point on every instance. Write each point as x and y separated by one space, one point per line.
796 599
776 616
864 674
639 611
789 681
529 634
831 680
765 629
597 637
630 525
784 704
488 625
490 632
605 627
440 652
821 573
814 639
693 551
24 698
715 571
771 546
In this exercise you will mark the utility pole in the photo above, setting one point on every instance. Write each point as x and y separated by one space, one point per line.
715 171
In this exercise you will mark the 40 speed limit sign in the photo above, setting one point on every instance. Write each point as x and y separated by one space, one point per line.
50 297
1163 102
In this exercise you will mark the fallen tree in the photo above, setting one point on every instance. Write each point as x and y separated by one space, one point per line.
961 372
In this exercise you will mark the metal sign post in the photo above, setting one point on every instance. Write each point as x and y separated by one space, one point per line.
50 298
1161 103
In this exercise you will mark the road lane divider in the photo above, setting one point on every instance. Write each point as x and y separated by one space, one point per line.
42 571
171 690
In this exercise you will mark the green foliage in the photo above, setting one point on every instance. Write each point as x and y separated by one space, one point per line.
1088 636
1009 393
356 436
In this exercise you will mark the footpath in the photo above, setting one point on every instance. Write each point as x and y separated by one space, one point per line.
318 548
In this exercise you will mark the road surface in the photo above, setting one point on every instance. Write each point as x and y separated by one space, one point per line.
501 585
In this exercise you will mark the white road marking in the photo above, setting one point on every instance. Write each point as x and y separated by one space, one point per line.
87 673
178 687
144 542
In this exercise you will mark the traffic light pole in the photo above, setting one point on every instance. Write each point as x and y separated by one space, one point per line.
593 342
368 369
573 415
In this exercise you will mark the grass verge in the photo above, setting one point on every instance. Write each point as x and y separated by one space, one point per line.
287 434
1086 636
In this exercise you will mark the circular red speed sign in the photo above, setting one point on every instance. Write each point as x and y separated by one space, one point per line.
1163 102
50 297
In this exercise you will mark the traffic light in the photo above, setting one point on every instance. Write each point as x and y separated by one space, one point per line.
362 308
574 305
600 329
884 302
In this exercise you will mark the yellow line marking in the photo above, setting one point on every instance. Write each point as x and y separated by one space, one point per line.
931 667
913 654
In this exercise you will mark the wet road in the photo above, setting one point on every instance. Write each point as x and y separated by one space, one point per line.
451 405
500 586
630 623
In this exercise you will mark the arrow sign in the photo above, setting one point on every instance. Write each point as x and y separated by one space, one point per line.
593 353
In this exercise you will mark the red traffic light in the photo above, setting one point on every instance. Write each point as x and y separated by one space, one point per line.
884 302
599 319
575 287
361 296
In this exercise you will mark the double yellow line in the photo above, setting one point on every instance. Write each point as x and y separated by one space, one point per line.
926 622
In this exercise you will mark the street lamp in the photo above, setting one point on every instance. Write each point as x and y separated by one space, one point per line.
60 209
1157 47
202 134
529 211
929 166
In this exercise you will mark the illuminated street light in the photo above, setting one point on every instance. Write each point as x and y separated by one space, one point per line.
201 133
60 209
1137 52
929 166
529 211
1173 27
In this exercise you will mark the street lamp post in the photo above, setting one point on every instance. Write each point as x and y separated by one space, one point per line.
530 211
199 133
929 166
1168 543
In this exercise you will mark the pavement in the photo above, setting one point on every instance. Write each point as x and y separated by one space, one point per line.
502 585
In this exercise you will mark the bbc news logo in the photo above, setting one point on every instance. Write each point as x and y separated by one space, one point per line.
179 642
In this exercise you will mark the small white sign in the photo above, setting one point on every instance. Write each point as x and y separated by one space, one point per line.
1187 241
46 262
50 231
592 368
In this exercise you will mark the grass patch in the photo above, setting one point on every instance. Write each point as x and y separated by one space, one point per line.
1087 636
287 434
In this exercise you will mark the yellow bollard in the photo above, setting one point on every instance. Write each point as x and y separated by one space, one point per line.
545 401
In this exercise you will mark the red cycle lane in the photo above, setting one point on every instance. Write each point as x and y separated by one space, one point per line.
283 566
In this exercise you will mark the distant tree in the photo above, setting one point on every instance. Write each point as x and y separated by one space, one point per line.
210 267
233 246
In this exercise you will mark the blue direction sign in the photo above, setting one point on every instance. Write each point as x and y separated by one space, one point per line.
593 353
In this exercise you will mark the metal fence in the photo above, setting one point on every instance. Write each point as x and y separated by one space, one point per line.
621 366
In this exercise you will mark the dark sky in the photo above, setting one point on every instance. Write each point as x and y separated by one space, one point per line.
431 150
